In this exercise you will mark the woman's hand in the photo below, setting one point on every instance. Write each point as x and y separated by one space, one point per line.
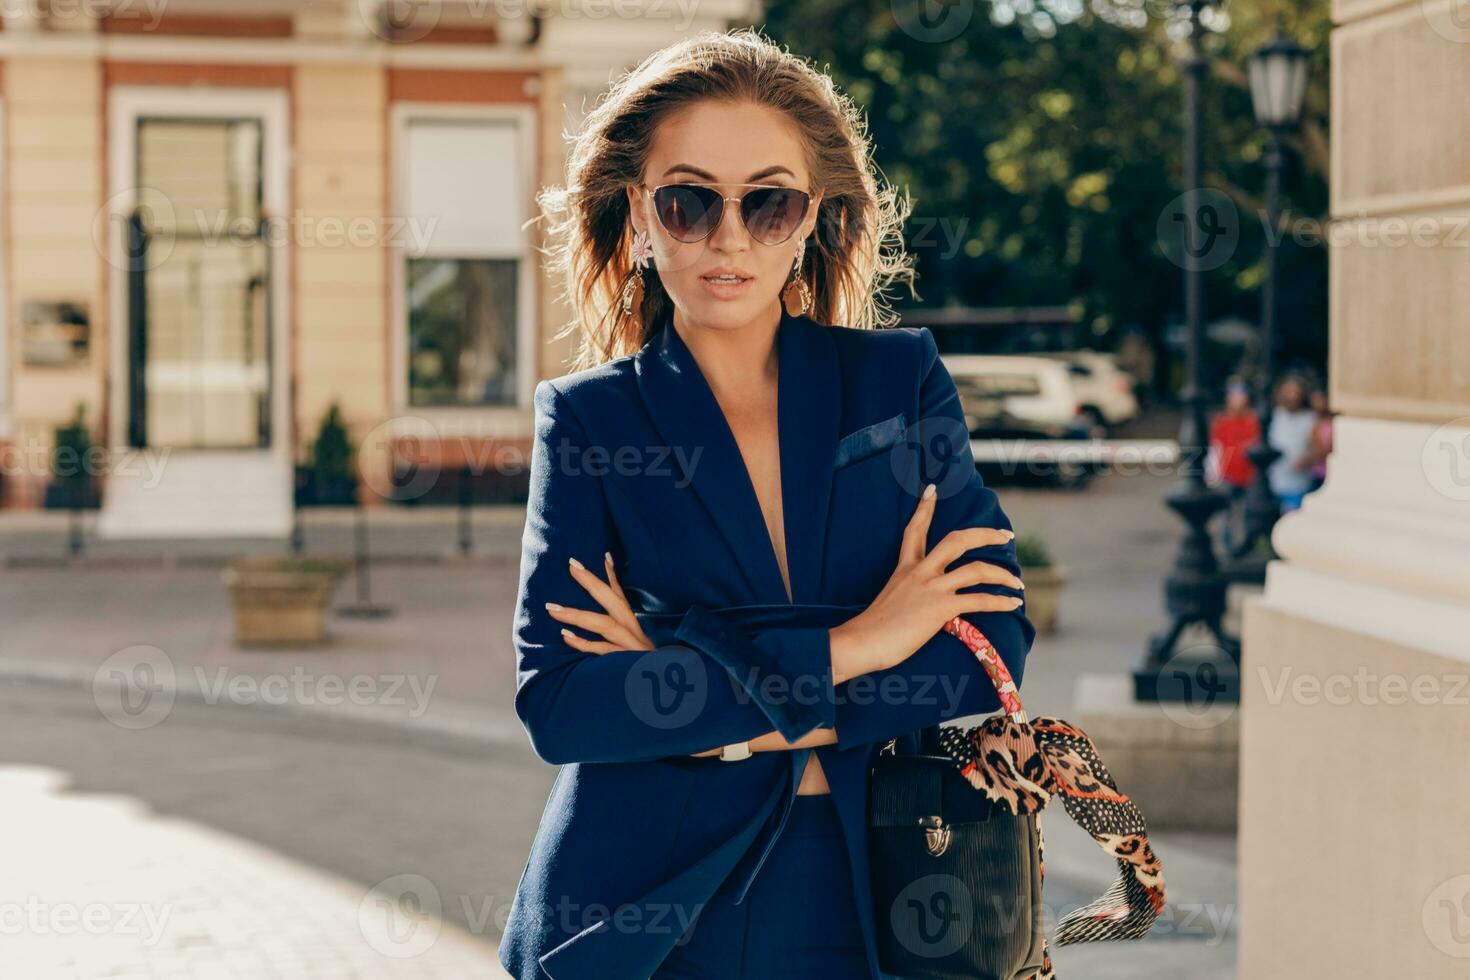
920 596
616 624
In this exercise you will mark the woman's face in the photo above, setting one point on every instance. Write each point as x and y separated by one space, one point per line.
724 144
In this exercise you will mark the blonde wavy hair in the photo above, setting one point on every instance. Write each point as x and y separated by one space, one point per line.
857 251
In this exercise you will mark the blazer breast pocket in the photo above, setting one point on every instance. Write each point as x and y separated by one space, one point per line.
868 441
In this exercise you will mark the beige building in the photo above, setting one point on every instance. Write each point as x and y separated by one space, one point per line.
220 218
1355 793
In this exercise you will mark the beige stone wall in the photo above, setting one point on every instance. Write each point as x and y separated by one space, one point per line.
1355 860
1401 198
54 143
1353 805
340 275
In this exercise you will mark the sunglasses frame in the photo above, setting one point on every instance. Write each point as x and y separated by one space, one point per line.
806 207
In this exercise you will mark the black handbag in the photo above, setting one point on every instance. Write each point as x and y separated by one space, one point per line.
956 877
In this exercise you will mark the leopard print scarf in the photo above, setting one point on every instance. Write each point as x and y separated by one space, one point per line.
1021 764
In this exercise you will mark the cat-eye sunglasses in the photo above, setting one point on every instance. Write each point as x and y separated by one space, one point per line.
691 211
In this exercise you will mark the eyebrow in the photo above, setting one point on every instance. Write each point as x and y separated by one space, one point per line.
686 168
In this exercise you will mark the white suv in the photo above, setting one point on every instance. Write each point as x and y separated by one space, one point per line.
1104 389
1034 395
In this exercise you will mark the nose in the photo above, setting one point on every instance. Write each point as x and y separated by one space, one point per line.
730 234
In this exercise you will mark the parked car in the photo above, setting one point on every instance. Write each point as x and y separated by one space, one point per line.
1025 399
1104 389
1035 391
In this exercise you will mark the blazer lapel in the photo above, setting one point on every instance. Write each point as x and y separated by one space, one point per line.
688 417
809 410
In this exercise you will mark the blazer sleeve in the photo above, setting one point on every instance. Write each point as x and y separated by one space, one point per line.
942 679
716 684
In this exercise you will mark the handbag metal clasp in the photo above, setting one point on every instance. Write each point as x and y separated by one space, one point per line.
936 835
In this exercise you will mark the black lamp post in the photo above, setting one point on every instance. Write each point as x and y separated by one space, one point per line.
1278 76
1194 591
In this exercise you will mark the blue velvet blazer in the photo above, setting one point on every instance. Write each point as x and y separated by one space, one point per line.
635 457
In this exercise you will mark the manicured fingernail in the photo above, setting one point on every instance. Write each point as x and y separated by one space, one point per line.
1018 585
553 606
929 491
1015 598
566 632
1010 535
607 557
575 563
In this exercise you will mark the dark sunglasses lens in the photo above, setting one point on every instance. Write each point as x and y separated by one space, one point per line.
688 213
772 213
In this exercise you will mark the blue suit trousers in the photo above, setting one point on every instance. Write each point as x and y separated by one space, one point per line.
799 919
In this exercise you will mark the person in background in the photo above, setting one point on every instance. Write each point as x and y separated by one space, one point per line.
1290 435
1232 433
1320 442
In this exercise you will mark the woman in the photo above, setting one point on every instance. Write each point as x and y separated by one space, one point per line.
732 582
1290 434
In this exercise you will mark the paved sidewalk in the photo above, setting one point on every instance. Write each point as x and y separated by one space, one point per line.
150 617
99 886
394 534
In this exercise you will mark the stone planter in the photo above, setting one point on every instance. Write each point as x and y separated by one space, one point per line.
282 601
1043 595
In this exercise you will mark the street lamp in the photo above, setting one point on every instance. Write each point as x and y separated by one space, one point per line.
1194 591
1278 76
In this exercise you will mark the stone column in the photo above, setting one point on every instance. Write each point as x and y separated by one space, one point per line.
1355 715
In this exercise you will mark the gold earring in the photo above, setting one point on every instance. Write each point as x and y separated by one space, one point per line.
642 253
797 283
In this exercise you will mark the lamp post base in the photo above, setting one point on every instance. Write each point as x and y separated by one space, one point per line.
1194 593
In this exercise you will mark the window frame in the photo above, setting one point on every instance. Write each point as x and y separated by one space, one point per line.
402 115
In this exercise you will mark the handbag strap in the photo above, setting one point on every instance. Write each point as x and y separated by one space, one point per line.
930 741
995 667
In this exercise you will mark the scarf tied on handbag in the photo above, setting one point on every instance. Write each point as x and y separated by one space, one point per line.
1021 764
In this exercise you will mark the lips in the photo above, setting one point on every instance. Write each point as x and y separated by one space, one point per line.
725 284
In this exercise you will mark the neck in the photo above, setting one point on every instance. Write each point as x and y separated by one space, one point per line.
732 358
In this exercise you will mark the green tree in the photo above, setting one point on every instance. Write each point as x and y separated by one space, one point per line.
1041 144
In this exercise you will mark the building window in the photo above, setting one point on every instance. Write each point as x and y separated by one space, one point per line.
465 255
462 331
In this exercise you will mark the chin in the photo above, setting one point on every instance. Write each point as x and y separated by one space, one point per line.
725 314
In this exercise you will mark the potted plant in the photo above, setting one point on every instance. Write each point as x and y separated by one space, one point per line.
1044 580
73 484
281 600
329 477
